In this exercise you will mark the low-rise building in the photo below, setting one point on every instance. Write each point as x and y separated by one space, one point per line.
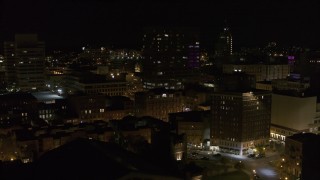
90 83
291 114
194 124
159 103
262 72
119 107
87 108
301 159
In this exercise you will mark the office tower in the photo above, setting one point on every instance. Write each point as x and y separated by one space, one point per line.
223 46
168 54
25 62
193 54
241 120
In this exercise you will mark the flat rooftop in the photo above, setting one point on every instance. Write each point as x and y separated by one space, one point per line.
43 96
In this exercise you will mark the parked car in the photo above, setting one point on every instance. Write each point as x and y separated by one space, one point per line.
251 155
260 156
204 158
256 176
194 153
217 155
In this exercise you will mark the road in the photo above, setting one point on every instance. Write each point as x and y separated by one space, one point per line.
262 166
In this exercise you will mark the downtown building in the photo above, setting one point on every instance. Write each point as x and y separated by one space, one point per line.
301 156
262 72
223 48
159 103
195 125
170 56
25 63
293 114
240 120
90 83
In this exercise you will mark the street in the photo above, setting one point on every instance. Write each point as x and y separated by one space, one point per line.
261 167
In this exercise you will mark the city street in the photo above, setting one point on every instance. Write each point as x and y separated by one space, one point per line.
262 167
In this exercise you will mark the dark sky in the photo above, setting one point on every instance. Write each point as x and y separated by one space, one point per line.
71 24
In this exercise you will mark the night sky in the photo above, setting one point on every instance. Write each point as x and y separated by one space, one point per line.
72 24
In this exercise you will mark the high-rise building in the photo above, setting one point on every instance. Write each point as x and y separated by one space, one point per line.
241 120
25 62
169 55
193 55
223 46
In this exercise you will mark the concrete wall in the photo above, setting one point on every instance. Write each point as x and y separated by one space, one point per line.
293 112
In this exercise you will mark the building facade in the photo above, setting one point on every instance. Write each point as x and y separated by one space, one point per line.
291 114
193 124
224 45
90 83
301 159
158 103
240 121
25 63
168 57
262 72
87 108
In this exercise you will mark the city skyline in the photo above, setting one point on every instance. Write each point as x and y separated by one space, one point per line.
69 24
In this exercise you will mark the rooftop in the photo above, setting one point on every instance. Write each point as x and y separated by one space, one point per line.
305 137
43 96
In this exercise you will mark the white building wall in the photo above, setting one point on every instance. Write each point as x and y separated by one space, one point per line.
293 112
